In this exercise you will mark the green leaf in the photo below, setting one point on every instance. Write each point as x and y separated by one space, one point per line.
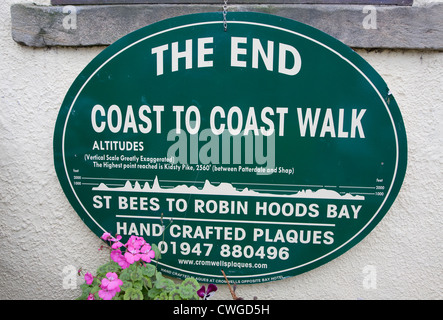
95 289
111 266
132 267
125 275
136 275
138 285
188 289
187 292
133 294
175 295
126 285
147 282
158 254
86 289
154 292
162 296
159 276
148 270
96 282
165 284
118 296
191 282
145 294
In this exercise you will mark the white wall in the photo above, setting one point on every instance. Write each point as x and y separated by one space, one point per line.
41 235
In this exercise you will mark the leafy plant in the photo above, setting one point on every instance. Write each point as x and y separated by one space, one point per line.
129 275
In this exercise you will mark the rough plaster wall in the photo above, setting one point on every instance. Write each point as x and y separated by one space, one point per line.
41 234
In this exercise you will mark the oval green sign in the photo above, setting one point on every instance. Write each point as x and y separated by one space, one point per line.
266 150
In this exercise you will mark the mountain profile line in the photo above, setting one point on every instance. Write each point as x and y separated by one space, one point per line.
225 189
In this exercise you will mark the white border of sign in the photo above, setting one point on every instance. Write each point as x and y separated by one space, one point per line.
261 25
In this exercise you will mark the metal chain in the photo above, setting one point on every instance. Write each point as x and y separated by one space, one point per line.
225 13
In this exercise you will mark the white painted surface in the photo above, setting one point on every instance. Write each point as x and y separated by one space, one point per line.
43 238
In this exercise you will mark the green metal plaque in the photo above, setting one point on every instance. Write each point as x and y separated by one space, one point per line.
265 150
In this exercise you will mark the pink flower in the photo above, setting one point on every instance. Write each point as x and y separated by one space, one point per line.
106 236
112 282
146 253
116 245
110 286
106 295
136 249
132 255
135 242
117 256
90 297
89 278
133 252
